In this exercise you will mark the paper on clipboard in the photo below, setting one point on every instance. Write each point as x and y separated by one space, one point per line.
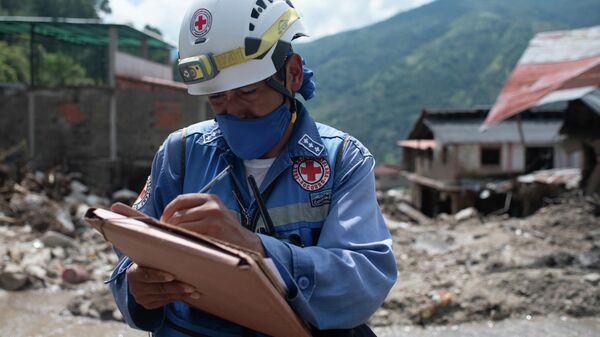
236 284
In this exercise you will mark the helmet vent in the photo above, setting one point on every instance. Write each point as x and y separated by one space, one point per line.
260 6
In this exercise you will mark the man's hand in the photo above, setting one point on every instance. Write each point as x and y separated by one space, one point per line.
153 289
206 214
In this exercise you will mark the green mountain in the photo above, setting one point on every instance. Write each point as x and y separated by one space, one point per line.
373 82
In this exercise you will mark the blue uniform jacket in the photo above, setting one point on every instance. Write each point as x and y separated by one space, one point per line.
336 255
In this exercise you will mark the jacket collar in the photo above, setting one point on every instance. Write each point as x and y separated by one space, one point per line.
305 140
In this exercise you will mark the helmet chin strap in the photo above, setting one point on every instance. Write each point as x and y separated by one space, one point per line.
271 82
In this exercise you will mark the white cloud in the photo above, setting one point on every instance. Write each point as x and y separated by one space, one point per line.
322 17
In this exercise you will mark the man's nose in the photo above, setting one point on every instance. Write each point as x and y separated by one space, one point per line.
230 94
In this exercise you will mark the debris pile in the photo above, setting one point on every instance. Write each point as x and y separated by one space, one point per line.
452 269
467 267
45 244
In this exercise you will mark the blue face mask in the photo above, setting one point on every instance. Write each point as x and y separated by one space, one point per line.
252 138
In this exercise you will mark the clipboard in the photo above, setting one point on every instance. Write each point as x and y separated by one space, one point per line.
235 284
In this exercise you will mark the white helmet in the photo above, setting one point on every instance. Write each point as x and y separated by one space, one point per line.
227 44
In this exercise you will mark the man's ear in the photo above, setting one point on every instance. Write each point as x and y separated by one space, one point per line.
294 72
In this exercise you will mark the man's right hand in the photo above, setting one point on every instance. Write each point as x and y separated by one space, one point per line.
153 288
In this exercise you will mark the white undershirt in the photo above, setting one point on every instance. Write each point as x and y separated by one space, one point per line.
258 168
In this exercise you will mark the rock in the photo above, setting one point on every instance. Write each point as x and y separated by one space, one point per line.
28 202
78 187
466 214
59 253
53 239
125 196
41 219
4 219
13 277
593 278
116 315
36 271
63 217
84 308
590 259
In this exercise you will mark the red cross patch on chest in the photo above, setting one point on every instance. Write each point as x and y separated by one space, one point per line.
311 173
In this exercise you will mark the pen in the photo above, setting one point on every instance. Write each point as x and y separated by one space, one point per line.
261 206
216 179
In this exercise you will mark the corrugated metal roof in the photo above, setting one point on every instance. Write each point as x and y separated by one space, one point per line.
553 61
590 95
562 46
467 132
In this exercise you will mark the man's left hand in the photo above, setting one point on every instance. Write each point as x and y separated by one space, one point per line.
206 214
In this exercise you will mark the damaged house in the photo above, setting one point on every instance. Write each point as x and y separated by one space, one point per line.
561 68
451 164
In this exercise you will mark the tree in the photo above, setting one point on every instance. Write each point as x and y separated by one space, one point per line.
153 29
58 69
104 6
86 9
14 65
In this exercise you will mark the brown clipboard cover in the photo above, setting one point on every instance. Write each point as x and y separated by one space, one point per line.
235 283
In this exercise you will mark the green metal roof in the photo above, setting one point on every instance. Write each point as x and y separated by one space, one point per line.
80 31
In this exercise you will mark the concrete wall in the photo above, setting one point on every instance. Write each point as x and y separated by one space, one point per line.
70 127
13 119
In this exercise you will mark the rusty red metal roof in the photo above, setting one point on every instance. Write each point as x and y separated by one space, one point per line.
553 61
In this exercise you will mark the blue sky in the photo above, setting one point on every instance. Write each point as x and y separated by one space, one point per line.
321 16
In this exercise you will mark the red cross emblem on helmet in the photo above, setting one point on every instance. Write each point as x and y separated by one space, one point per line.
311 173
201 22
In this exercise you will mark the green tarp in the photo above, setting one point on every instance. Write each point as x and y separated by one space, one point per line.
83 32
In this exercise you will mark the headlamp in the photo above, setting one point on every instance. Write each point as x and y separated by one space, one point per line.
198 69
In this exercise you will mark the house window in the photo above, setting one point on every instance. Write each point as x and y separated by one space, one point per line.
539 158
490 156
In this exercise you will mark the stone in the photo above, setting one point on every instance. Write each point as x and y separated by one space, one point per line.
117 316
466 214
53 239
13 277
63 218
593 278
78 187
97 201
39 257
36 271
28 202
59 253
125 196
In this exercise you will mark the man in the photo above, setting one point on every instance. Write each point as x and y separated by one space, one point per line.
327 236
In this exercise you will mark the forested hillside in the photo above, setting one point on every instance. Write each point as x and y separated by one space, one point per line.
374 81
